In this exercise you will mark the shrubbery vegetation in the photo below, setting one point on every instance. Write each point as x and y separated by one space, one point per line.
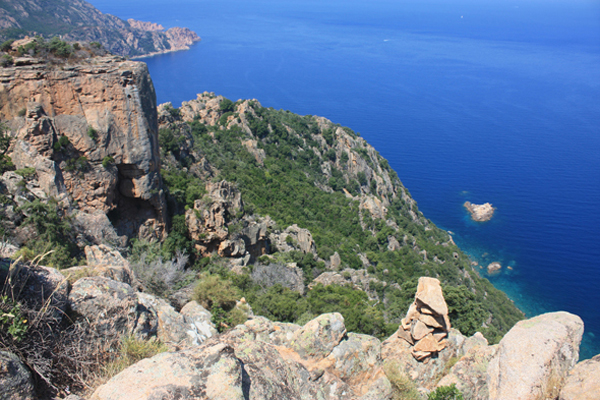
287 184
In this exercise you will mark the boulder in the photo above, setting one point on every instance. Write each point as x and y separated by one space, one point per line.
267 375
207 222
335 261
494 267
316 339
294 238
96 228
199 323
104 261
469 374
16 382
171 327
109 306
429 294
287 275
583 382
210 371
263 329
357 362
39 287
534 357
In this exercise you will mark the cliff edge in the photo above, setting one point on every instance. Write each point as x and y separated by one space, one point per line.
89 130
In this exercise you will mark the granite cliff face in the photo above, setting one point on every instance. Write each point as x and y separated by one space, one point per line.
77 20
90 132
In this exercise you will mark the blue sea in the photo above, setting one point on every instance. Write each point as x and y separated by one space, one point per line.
488 101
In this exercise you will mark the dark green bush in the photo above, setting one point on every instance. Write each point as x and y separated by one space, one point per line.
446 393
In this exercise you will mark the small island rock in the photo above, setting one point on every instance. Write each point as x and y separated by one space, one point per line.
480 212
494 267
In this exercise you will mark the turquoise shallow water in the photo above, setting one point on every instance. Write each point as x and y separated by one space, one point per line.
481 101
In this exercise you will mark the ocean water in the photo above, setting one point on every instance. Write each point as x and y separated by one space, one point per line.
487 101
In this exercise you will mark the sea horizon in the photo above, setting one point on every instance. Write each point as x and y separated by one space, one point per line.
492 102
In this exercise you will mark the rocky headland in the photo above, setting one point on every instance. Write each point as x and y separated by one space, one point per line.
79 21
190 232
480 212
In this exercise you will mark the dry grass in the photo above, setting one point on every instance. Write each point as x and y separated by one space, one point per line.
402 387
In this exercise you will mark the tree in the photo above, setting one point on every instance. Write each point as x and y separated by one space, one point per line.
5 139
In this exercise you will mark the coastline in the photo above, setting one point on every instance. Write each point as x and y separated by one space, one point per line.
158 53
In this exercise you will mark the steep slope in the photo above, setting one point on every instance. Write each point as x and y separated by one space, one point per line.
84 143
304 178
77 20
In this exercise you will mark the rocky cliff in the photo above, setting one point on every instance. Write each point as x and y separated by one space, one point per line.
77 20
263 360
320 201
89 132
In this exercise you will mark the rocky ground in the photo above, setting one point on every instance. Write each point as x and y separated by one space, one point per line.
261 359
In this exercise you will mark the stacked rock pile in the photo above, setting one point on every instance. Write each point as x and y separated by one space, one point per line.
426 323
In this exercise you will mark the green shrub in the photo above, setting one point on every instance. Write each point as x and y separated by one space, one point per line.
80 164
227 106
212 291
108 161
92 133
54 234
11 319
6 60
22 112
61 143
6 163
27 172
446 393
7 45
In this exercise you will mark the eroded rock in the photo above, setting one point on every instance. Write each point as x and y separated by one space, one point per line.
210 371
109 306
534 357
583 381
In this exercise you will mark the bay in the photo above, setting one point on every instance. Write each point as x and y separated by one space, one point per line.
482 101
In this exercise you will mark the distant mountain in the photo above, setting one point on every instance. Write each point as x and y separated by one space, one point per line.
78 20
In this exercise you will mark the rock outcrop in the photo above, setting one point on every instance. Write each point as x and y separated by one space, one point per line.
207 222
480 212
534 357
90 131
582 383
209 372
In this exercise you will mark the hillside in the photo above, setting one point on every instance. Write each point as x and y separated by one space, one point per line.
331 207
77 20
224 250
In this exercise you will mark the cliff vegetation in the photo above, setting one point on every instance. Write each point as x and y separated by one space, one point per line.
368 237
232 251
